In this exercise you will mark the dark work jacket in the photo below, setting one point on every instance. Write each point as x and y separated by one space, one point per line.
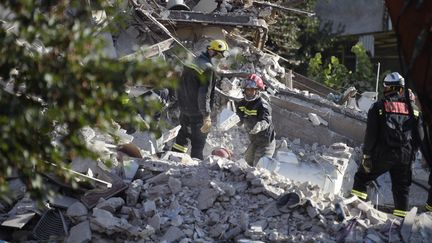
196 87
251 112
378 143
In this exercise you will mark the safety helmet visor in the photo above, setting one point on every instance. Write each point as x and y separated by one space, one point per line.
249 84
250 94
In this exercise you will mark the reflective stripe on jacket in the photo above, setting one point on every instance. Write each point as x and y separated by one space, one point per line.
251 112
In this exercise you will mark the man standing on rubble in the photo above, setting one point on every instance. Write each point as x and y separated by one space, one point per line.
389 143
255 113
195 99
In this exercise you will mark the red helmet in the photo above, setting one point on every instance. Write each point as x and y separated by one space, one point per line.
254 82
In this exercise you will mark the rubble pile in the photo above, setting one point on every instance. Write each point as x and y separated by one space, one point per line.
154 195
218 199
178 199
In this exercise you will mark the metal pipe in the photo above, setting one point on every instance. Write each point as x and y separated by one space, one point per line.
377 80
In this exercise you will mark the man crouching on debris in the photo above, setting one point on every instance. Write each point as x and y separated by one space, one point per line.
195 99
255 114
389 143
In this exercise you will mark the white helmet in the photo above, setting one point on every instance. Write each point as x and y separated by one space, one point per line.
394 79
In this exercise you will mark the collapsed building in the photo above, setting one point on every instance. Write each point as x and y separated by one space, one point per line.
154 195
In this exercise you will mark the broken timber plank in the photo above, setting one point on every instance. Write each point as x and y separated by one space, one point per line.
150 51
286 9
85 177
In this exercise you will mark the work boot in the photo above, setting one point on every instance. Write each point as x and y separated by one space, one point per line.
399 213
361 195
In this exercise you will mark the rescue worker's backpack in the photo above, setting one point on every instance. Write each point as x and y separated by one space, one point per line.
398 124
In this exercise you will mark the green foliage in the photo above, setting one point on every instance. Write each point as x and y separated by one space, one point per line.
335 75
364 76
69 84
299 38
315 67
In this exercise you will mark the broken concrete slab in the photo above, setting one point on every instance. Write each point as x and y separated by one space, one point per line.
149 208
227 119
155 222
205 6
166 137
80 233
342 126
18 220
206 198
408 223
175 185
376 217
158 179
17 192
103 221
111 204
178 157
77 211
62 201
133 192
271 210
127 42
145 141
172 234
130 168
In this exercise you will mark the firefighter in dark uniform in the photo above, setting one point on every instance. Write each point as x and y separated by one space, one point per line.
195 99
389 143
255 114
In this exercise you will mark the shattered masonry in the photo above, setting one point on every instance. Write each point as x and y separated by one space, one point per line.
297 196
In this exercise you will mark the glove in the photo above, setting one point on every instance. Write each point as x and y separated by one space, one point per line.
259 126
206 125
366 163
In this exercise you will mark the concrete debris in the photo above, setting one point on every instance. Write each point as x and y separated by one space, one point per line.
210 200
111 205
18 190
18 220
172 234
174 185
133 192
206 198
408 224
77 212
62 201
296 196
80 233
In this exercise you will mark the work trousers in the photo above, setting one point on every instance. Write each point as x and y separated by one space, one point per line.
259 148
400 175
190 130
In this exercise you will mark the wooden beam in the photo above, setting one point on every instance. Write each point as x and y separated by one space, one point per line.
150 51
